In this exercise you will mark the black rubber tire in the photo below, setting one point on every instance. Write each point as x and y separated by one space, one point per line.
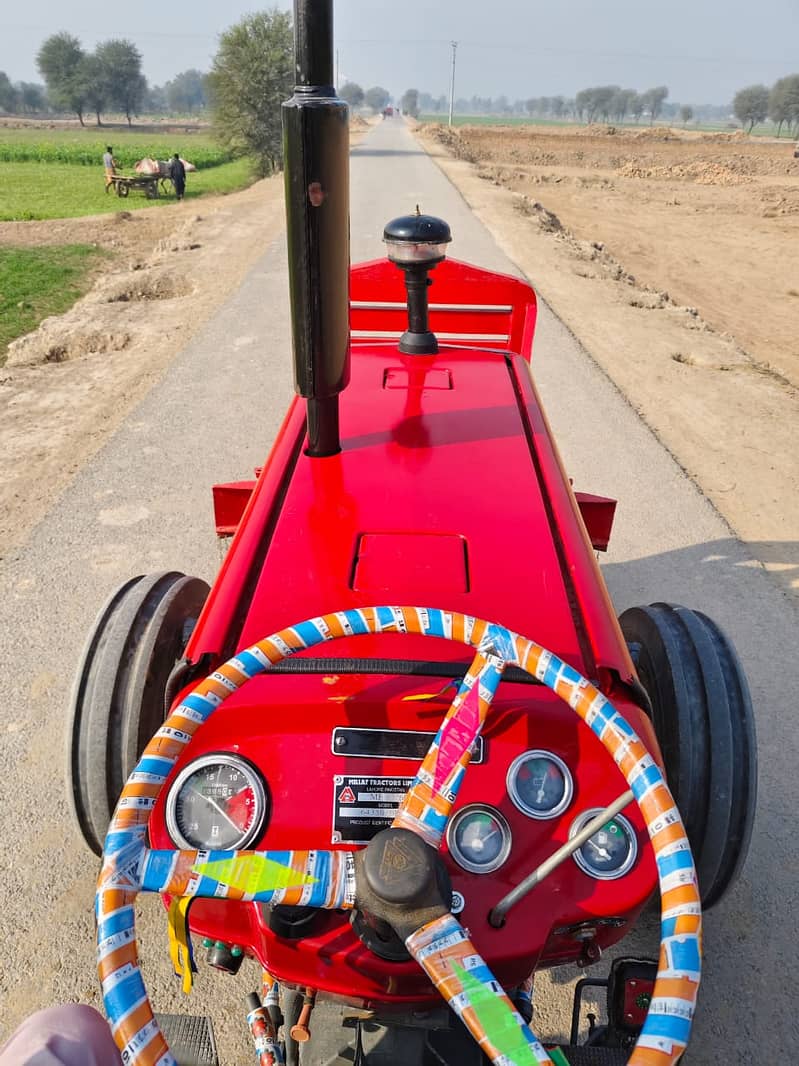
703 720
118 695
122 189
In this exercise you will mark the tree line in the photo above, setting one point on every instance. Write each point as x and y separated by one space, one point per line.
108 79
22 97
780 103
377 98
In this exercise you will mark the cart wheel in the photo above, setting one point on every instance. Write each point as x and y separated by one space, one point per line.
122 189
703 719
118 695
151 192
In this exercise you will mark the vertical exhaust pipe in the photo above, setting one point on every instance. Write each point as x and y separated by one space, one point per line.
316 145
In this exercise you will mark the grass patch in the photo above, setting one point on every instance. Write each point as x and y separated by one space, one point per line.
37 282
58 190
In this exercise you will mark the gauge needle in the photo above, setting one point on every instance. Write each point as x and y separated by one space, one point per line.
602 852
215 805
478 842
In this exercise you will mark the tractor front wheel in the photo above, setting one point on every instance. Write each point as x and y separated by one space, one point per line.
119 694
703 720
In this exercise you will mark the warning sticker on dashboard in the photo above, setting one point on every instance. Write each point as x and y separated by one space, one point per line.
362 806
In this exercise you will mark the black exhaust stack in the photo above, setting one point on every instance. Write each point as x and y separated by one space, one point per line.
316 145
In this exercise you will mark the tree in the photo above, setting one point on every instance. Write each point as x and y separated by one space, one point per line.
654 100
783 102
751 105
96 84
60 61
9 97
377 97
410 103
121 75
637 106
155 99
622 103
186 92
352 93
32 97
686 114
252 74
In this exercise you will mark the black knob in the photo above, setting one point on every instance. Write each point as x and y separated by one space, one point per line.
417 239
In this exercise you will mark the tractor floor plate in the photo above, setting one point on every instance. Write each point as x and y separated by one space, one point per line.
190 1038
595 1056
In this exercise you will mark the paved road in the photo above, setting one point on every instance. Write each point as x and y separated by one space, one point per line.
143 503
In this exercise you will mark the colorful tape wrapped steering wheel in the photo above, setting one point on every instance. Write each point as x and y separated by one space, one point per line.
342 879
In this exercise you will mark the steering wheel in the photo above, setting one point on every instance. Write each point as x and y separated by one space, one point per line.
417 905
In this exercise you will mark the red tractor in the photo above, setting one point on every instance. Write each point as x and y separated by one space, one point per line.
314 762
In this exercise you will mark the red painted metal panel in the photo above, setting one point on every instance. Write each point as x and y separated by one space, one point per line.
288 722
453 461
434 565
597 513
494 310
230 503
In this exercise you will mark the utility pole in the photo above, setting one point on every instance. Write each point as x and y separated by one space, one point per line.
452 83
337 85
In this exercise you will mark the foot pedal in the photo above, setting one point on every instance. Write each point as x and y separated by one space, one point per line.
190 1038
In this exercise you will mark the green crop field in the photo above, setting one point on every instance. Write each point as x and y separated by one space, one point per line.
58 173
37 282
59 190
85 147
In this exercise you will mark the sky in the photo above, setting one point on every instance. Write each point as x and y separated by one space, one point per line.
703 50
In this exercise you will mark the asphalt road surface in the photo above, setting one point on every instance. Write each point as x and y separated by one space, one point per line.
144 503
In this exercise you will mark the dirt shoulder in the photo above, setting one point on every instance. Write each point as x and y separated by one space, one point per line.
662 303
69 384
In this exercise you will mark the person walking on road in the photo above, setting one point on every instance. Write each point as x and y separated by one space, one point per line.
177 173
110 166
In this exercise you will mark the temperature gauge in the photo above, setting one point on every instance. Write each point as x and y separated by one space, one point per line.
217 802
540 785
479 839
610 852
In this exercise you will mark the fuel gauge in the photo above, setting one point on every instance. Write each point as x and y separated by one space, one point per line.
540 785
610 852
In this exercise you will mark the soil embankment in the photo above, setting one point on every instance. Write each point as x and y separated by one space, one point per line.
673 258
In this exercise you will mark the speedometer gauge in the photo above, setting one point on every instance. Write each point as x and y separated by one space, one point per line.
610 852
540 785
479 839
218 802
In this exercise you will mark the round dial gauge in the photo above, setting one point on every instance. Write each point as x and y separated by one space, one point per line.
610 852
217 803
540 785
479 839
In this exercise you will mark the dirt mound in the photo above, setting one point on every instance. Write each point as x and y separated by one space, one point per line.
703 173
57 342
141 285
358 123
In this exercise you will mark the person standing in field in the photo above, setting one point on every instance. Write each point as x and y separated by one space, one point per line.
177 173
110 165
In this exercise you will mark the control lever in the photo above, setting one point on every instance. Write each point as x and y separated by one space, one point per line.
499 913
